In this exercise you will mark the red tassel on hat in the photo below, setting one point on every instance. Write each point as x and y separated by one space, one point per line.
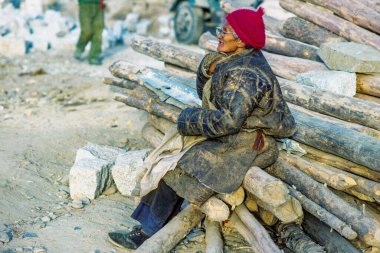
249 26
101 5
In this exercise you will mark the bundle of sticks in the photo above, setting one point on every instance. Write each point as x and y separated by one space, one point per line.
329 196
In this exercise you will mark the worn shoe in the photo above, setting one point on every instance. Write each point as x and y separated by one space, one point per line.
96 61
78 55
129 240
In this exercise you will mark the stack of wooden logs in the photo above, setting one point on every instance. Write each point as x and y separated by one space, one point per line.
336 183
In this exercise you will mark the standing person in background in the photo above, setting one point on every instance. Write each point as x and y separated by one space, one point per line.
91 19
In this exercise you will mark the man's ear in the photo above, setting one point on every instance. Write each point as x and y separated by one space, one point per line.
241 43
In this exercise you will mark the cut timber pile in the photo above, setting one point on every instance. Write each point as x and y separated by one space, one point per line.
336 182
324 21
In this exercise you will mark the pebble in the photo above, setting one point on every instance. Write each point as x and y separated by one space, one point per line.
52 216
28 234
46 219
77 204
86 201
110 190
5 237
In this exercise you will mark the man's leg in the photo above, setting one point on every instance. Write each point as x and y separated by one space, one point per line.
85 21
96 40
155 210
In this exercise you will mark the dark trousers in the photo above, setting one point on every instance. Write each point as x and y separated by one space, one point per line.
157 208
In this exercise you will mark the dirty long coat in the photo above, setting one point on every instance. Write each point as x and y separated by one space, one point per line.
247 96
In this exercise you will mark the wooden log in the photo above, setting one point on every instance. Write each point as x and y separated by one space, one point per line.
157 108
283 66
169 236
267 217
265 187
346 108
324 216
340 163
251 203
299 29
164 52
375 5
367 228
319 172
215 209
329 239
122 83
272 25
258 231
296 240
354 11
362 185
346 143
290 47
289 212
368 84
354 126
246 233
328 20
368 98
233 199
152 135
161 124
214 242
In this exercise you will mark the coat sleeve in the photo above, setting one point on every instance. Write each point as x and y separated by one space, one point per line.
242 90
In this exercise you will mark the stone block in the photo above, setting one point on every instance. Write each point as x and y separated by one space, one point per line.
91 172
126 169
11 46
338 82
350 57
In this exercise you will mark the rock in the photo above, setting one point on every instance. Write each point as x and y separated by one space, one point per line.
131 21
126 169
52 216
77 204
5 237
350 57
110 190
90 174
339 82
143 26
46 219
28 235
10 46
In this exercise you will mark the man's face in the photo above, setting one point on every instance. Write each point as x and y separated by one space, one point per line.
227 42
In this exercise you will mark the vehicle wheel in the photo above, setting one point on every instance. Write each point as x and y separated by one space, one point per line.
188 23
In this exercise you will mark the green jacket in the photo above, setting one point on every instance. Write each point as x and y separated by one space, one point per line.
89 1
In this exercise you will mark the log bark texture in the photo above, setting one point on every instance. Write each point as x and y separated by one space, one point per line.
299 29
214 242
368 229
354 11
324 216
297 241
319 172
328 20
169 236
258 231
368 84
265 187
346 143
331 240
340 163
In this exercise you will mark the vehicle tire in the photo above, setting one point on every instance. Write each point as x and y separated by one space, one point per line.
188 23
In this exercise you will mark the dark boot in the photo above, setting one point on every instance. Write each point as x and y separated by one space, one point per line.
129 240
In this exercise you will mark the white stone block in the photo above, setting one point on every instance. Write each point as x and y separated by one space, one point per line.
127 167
131 21
91 172
11 46
338 82
142 27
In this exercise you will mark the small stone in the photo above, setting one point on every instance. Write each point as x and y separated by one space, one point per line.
46 219
77 204
86 201
52 216
77 228
28 235
110 190
5 237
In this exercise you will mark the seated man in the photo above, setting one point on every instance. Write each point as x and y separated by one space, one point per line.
243 109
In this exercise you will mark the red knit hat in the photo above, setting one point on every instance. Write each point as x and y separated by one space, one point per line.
249 26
